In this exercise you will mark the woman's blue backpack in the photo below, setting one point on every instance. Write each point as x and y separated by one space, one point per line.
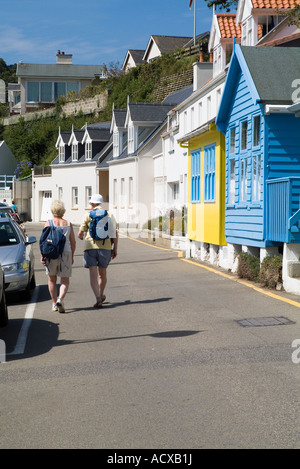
52 242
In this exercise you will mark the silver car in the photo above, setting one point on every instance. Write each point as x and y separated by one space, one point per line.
16 258
3 306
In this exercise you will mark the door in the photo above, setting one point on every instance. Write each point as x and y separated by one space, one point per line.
46 206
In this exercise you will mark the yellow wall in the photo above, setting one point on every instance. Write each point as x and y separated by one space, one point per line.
206 220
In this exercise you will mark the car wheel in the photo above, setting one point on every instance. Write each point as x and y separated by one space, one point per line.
3 311
26 294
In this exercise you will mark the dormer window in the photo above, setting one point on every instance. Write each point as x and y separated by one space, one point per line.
130 139
61 153
74 152
88 150
247 33
116 151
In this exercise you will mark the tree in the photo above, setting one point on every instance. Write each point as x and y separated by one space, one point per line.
294 16
227 5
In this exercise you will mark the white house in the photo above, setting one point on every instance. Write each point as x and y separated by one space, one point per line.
73 176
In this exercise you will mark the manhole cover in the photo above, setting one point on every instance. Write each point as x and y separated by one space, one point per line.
268 321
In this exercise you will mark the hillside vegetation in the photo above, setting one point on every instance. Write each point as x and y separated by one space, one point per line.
34 141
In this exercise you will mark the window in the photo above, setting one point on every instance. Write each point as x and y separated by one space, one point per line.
59 90
60 193
116 144
130 192
256 178
130 139
195 176
74 152
231 195
61 153
33 94
88 150
256 131
175 190
88 195
244 132
46 92
199 113
208 107
192 119
209 173
115 192
232 140
243 187
122 192
74 196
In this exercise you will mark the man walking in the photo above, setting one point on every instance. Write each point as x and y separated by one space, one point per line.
98 252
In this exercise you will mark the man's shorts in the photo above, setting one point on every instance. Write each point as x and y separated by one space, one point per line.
61 267
97 257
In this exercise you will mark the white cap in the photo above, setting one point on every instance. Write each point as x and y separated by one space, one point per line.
96 199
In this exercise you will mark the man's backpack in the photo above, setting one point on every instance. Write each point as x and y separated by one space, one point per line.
52 242
101 227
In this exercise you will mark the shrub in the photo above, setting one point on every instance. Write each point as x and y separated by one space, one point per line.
271 271
248 266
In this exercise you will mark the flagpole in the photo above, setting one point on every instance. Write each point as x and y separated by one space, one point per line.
194 22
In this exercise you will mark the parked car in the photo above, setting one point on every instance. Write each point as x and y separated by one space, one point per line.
3 305
9 212
16 258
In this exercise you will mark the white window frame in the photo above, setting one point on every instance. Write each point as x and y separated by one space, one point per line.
88 150
61 153
74 151
74 197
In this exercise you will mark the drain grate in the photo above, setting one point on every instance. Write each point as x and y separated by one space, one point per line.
267 321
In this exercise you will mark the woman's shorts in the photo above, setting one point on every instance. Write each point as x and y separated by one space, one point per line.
96 257
61 267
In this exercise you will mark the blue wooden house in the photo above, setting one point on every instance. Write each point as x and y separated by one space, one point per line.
262 189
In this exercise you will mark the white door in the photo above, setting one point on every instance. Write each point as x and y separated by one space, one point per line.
46 206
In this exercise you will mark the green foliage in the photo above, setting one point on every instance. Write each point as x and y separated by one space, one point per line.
170 222
271 271
248 266
227 5
35 140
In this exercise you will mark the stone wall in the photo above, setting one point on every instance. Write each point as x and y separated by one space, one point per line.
171 83
87 106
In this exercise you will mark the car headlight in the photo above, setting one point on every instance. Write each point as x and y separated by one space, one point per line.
17 267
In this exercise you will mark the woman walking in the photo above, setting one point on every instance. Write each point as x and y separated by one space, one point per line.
61 267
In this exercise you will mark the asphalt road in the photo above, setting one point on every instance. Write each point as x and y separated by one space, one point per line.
164 364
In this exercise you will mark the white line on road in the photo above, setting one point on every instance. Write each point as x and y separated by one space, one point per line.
22 337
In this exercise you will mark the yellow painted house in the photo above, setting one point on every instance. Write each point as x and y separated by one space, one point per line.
206 185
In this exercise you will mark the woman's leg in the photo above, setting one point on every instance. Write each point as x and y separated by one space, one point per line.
52 287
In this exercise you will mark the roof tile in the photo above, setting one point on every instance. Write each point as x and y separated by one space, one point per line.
275 3
228 26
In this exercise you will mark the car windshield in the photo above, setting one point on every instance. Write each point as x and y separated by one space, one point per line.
8 235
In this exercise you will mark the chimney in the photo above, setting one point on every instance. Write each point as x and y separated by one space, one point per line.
64 59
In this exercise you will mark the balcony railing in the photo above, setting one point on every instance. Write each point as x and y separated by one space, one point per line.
283 210
42 171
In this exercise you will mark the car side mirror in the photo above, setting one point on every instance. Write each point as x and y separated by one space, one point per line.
30 240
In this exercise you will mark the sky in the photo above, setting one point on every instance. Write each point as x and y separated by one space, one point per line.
95 32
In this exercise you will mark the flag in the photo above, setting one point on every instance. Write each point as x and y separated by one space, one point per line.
191 3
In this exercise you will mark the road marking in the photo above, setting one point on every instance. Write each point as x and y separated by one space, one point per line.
223 274
23 334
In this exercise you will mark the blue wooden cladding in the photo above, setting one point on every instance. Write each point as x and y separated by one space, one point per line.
262 179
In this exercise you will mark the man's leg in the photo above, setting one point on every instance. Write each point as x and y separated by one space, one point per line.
94 281
102 281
